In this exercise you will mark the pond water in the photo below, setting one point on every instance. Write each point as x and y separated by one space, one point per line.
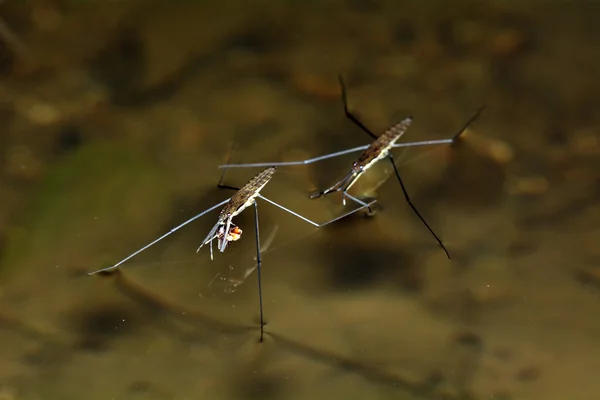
116 115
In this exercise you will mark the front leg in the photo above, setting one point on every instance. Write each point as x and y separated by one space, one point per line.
221 185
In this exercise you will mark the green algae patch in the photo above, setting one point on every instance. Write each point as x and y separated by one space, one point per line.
88 203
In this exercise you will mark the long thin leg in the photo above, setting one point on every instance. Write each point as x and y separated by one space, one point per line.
469 122
265 249
258 271
362 203
356 149
444 141
336 187
356 200
161 238
413 206
289 211
223 244
365 205
349 115
424 143
335 154
209 238
221 185
301 162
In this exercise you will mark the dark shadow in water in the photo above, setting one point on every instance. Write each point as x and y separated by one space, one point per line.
57 349
357 262
122 65
7 59
260 38
158 306
6 118
352 266
52 349
69 138
423 390
98 326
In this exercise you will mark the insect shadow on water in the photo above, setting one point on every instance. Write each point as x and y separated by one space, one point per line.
154 302
225 231
371 154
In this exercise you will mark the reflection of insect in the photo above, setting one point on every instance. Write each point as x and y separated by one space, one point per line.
225 231
376 151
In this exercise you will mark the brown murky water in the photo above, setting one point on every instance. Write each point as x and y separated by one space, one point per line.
115 116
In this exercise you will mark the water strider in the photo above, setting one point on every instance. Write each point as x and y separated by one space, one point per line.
225 231
378 150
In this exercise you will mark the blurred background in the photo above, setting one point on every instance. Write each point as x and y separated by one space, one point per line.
116 114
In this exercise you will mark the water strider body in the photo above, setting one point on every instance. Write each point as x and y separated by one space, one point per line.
242 199
225 231
379 149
